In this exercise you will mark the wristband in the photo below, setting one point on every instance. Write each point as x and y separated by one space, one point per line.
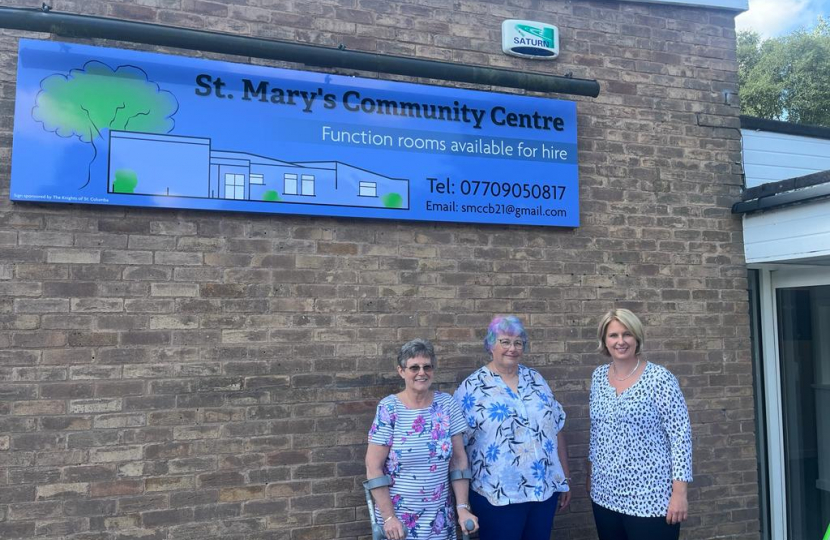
465 506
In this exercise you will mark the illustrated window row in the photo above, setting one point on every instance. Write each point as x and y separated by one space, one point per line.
293 184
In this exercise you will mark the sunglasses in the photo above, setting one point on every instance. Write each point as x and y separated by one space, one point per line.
417 369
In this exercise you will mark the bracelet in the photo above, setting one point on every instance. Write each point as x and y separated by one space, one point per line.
387 519
465 506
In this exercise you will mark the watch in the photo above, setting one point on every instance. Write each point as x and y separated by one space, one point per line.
464 506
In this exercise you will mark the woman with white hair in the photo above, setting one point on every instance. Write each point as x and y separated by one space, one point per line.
515 444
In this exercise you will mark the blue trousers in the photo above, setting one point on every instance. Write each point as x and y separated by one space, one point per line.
520 521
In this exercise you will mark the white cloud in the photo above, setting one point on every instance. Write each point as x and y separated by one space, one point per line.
774 17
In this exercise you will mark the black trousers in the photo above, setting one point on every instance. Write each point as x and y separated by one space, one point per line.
615 526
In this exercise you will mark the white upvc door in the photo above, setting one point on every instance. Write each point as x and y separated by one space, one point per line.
771 280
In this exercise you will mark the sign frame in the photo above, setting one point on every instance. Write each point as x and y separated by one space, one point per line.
180 132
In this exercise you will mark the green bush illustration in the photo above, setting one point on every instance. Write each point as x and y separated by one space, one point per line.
125 181
392 200
270 196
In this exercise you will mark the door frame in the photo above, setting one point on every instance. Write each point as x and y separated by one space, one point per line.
771 278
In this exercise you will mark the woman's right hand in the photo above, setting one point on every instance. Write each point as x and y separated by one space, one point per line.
393 529
465 515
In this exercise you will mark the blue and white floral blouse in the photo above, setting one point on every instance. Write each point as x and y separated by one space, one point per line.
641 441
511 439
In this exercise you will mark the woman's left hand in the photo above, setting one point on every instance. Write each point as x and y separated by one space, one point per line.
463 516
564 499
678 507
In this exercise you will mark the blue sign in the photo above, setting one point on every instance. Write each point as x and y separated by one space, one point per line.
107 126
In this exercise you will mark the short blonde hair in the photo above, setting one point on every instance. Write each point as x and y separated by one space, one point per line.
627 319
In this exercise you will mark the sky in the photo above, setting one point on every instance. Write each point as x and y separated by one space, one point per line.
772 18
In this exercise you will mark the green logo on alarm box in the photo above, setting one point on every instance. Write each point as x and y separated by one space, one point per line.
534 36
530 39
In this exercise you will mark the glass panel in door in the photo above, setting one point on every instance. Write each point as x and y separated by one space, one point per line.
804 347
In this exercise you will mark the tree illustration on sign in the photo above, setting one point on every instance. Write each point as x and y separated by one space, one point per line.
90 101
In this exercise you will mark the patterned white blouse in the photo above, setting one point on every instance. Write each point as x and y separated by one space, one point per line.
641 441
511 440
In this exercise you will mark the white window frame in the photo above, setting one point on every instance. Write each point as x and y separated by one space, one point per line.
235 183
772 278
289 180
256 179
307 185
367 189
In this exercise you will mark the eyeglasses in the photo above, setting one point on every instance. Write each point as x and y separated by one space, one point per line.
417 369
506 343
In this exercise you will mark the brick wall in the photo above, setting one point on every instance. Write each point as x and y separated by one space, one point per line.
178 374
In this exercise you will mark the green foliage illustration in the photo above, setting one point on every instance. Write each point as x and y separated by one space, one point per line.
89 101
271 196
392 200
786 78
125 181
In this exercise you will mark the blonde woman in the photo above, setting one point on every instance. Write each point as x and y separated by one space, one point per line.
640 456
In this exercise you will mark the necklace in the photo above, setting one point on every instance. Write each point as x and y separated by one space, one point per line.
614 367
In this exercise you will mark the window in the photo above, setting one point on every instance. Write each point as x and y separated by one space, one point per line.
308 185
368 189
305 185
257 179
290 187
234 186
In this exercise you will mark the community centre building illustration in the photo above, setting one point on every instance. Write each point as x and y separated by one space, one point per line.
179 166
